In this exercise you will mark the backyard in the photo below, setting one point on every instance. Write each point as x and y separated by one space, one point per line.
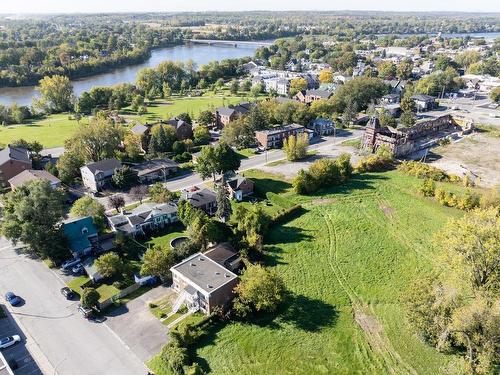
347 261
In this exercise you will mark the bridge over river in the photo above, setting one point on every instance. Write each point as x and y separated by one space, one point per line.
234 43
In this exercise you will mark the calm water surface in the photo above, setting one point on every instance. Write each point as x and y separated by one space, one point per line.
200 54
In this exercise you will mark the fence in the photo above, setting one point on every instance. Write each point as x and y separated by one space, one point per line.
117 296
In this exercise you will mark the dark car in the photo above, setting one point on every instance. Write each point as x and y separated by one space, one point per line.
12 299
68 293
78 269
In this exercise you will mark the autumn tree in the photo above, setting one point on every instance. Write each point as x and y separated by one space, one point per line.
326 76
116 201
139 192
295 147
296 85
56 94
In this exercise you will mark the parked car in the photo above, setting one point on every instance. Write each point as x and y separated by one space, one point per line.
9 341
68 293
78 269
87 313
12 299
69 264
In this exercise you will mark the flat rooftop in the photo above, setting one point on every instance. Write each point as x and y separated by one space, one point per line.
202 271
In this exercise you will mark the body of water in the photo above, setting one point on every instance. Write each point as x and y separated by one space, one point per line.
199 53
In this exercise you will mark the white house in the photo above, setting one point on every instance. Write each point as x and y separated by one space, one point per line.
97 175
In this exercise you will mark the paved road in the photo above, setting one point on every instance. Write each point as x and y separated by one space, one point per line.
70 344
191 179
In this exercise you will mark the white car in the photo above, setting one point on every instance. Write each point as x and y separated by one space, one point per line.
9 341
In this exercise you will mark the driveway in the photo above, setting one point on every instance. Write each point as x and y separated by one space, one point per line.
137 327
59 336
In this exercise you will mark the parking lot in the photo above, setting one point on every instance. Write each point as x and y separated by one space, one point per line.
17 356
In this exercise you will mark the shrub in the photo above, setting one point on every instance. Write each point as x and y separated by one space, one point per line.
285 214
381 161
422 170
469 201
428 188
323 173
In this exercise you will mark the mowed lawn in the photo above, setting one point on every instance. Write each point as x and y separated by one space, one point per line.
347 262
168 108
51 131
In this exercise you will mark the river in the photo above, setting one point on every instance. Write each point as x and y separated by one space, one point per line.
199 53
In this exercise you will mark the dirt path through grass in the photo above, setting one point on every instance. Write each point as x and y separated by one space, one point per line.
364 314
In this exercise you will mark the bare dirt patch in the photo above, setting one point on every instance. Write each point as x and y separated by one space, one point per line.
388 211
477 154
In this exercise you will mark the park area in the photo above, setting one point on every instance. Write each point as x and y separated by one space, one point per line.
53 130
347 261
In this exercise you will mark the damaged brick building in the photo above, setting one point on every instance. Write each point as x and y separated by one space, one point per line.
403 141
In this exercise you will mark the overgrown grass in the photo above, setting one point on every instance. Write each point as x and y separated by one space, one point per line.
347 262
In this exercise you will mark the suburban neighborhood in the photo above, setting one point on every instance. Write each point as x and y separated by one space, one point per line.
324 200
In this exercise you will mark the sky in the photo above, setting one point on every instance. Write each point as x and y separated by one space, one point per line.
100 6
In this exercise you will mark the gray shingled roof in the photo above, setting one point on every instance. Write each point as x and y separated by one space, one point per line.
14 153
139 129
30 175
104 165
321 93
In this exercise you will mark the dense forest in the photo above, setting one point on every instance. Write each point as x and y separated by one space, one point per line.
83 45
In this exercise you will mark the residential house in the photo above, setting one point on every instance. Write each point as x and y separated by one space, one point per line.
96 176
322 126
272 138
81 233
239 187
224 115
202 284
144 132
204 199
424 102
32 175
390 99
183 130
13 160
317 94
155 170
283 86
224 254
146 217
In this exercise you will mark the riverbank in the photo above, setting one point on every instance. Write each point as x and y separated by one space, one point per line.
198 54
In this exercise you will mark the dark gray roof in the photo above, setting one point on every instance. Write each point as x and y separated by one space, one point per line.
325 94
203 272
154 165
201 197
140 214
30 175
423 97
221 252
236 181
176 123
104 165
14 153
225 111
281 129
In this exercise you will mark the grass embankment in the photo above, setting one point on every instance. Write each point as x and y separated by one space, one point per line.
347 262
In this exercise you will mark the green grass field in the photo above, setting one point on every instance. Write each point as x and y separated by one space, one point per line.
51 131
347 261
168 108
